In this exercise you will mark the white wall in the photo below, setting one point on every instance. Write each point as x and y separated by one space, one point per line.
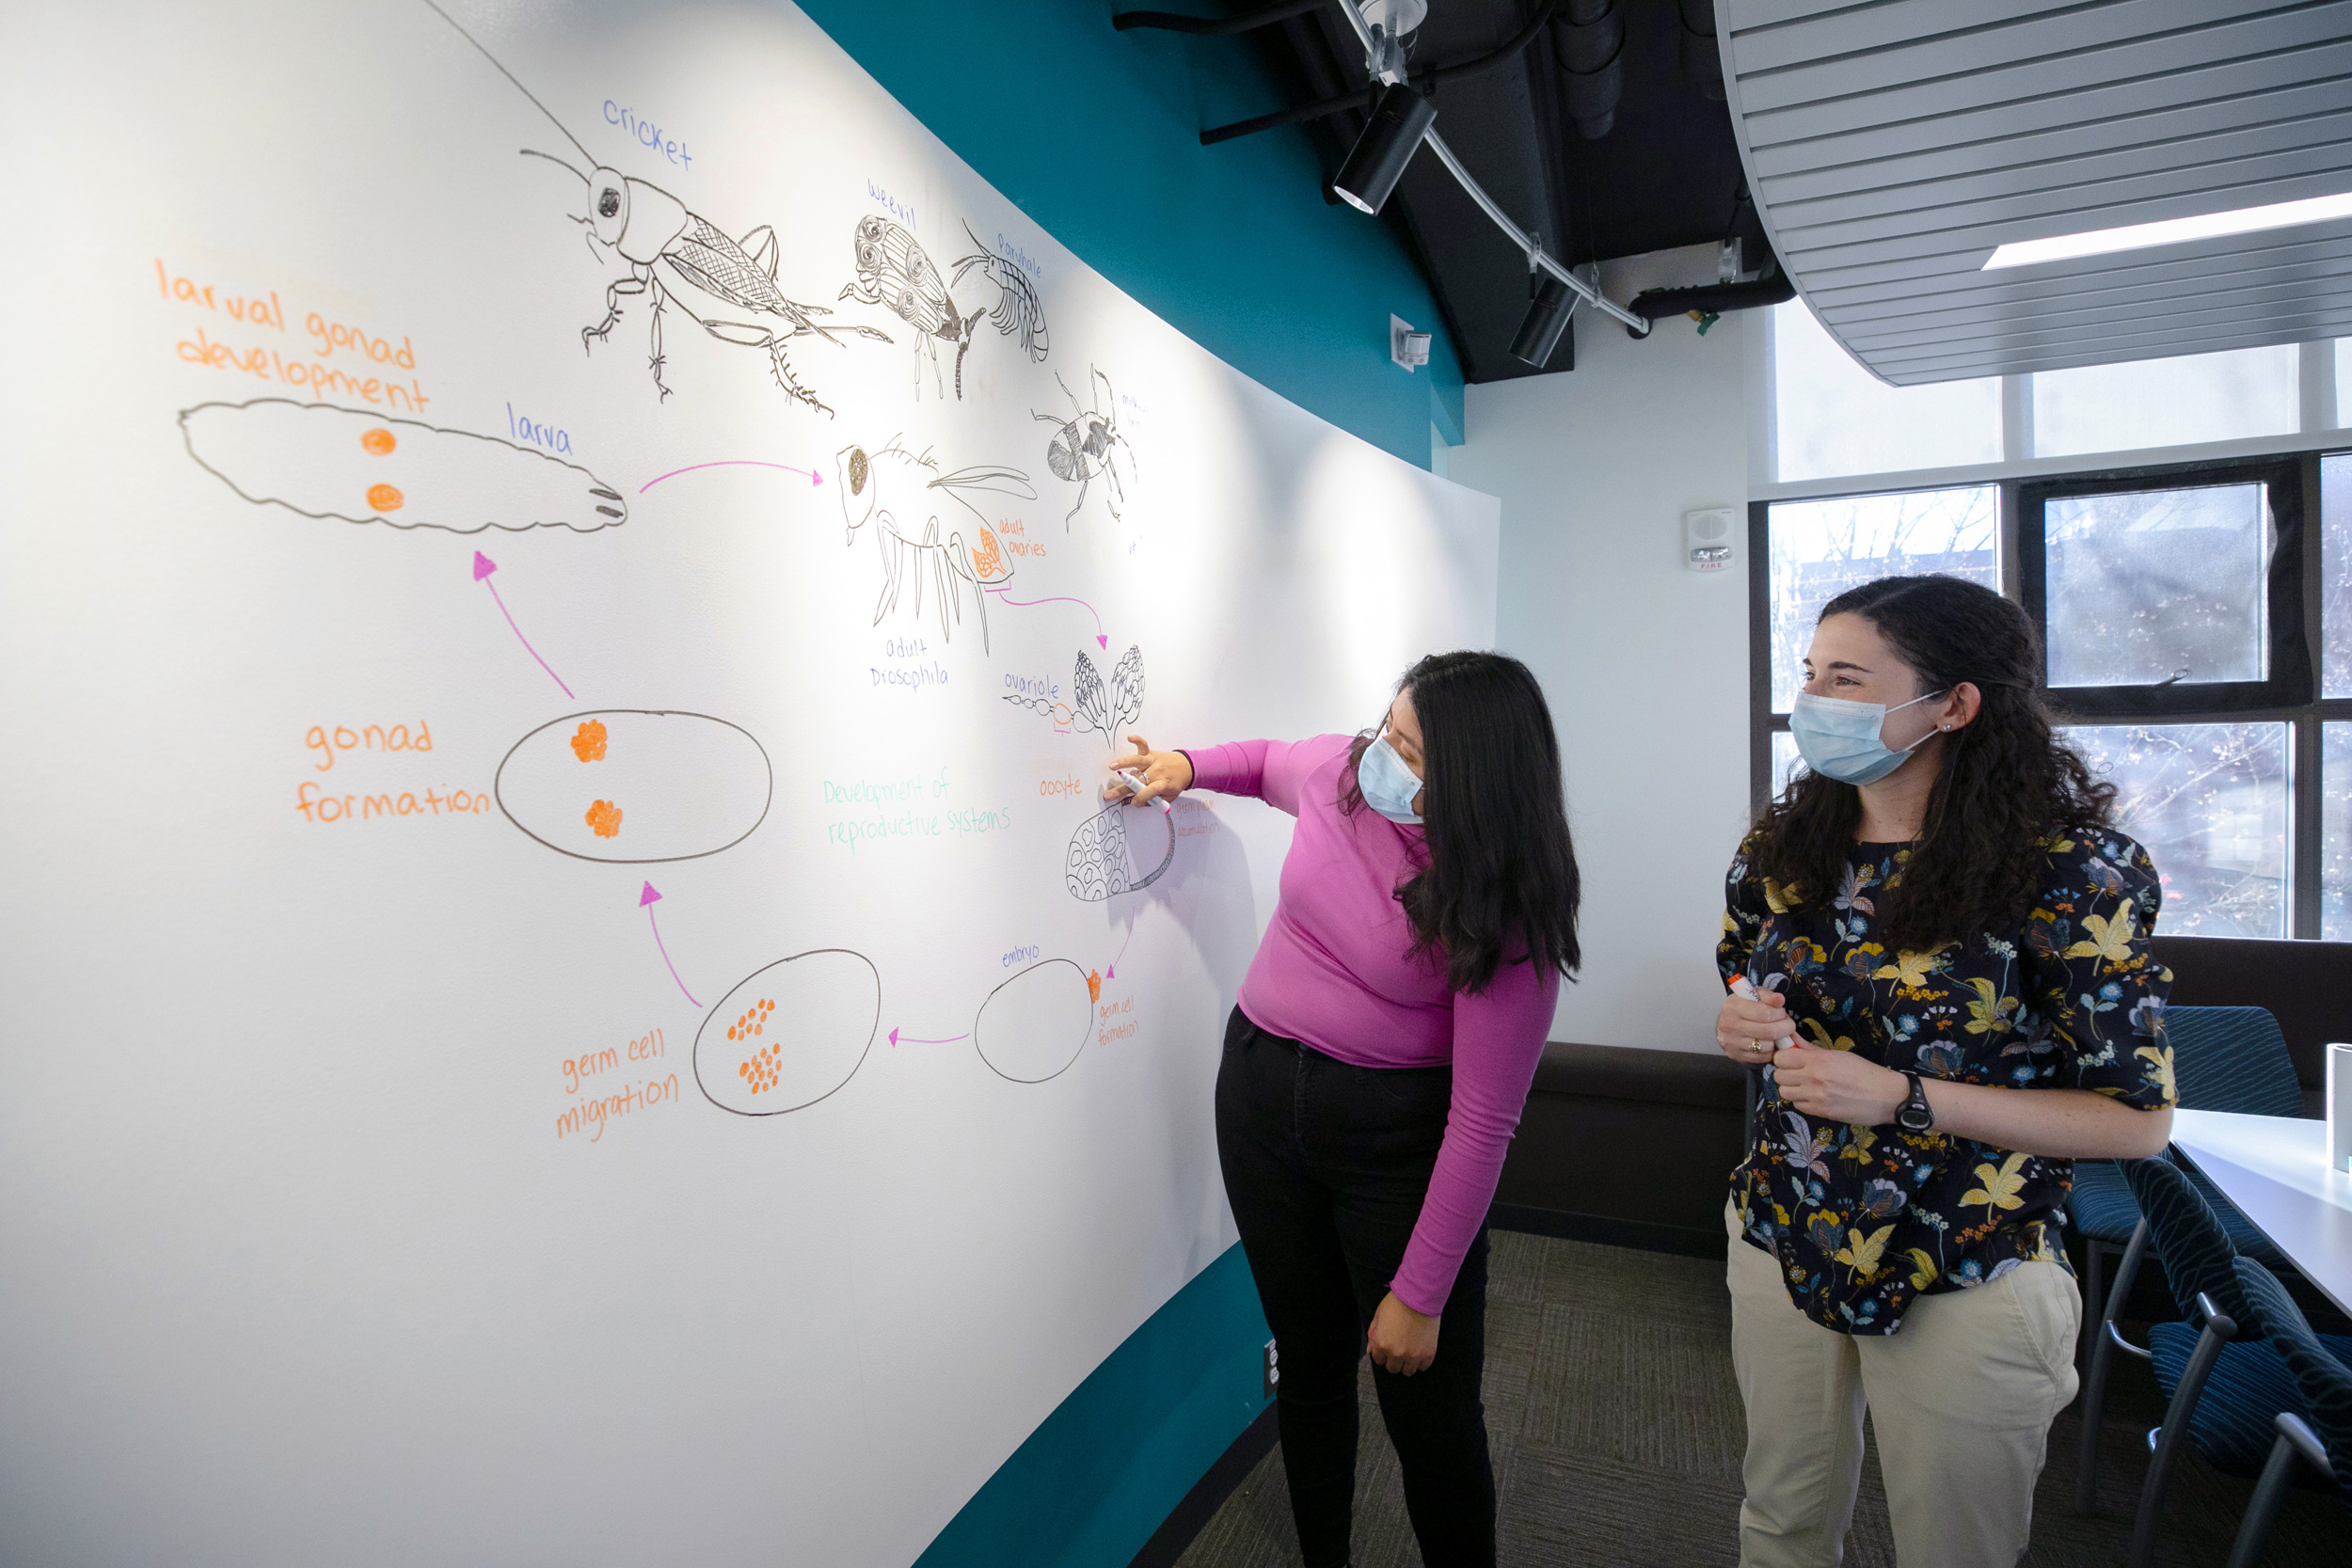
1645 663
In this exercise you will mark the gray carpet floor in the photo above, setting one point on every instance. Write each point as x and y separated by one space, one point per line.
1617 1431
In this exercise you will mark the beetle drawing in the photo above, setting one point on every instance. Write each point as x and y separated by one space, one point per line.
890 487
1080 450
893 271
666 245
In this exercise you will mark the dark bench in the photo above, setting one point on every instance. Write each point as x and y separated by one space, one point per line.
1625 1146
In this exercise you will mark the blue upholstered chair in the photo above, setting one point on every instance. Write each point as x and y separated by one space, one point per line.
2223 1059
2225 1387
2314 1442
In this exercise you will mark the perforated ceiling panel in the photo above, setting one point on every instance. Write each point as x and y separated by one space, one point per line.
1892 146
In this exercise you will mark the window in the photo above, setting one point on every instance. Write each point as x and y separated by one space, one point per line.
2195 607
1821 549
2173 603
2165 403
1836 418
2168 591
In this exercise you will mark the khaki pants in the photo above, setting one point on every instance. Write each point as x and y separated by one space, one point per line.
1959 1398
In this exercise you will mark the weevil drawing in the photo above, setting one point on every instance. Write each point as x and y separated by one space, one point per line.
890 488
666 245
893 271
1081 449
1104 708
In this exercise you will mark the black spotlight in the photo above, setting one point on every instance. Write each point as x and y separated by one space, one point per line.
1547 319
1389 142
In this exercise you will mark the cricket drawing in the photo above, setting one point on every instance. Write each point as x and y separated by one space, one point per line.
668 249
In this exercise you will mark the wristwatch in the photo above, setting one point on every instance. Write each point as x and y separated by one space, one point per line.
1914 1114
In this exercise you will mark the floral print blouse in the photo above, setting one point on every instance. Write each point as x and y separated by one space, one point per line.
1863 1218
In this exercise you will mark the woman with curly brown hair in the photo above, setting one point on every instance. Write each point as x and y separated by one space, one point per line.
1938 947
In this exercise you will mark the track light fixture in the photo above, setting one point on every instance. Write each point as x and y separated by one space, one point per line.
1389 140
1547 320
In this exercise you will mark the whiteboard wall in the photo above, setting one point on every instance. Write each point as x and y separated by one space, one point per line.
566 996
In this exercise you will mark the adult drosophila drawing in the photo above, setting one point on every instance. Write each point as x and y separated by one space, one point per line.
890 488
667 247
893 271
1081 450
1105 709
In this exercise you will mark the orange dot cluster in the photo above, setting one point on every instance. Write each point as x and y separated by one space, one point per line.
753 1022
588 741
763 1071
605 819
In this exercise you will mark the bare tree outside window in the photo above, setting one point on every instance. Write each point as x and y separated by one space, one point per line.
2209 802
1821 549
2159 587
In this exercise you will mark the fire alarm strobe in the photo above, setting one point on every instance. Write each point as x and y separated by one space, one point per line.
1707 539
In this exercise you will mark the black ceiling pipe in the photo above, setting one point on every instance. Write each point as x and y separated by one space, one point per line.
1773 288
1702 66
1202 27
1590 40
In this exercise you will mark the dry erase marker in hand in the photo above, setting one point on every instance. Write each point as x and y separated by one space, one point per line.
1134 782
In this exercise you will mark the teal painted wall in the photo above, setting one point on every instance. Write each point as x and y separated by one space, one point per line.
1094 133
1096 1478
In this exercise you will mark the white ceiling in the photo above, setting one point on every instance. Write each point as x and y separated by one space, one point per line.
1892 145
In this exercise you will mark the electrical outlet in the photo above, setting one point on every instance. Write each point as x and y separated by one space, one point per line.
1273 1369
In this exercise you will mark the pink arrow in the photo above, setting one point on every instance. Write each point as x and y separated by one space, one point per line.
815 478
1111 973
1103 641
483 567
646 901
896 1037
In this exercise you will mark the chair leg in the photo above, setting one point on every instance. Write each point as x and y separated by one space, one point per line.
2094 1264
2094 1396
2262 1509
2219 1329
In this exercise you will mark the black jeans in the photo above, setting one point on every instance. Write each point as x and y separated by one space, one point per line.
1325 1166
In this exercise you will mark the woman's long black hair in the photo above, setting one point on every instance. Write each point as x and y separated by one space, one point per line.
1500 885
2006 783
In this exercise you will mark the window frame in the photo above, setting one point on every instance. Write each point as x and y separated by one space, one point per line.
2290 696
2291 682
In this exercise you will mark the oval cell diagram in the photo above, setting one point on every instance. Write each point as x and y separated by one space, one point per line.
790 1034
1033 1027
631 787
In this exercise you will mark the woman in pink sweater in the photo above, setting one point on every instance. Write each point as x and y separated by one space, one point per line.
1377 1062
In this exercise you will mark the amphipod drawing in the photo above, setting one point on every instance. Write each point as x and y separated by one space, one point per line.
893 271
666 245
357 465
891 488
1101 862
1017 307
1105 709
1081 447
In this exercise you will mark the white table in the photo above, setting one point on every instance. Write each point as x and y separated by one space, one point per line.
2275 1169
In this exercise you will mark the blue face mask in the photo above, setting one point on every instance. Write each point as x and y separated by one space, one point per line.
1388 786
1839 740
